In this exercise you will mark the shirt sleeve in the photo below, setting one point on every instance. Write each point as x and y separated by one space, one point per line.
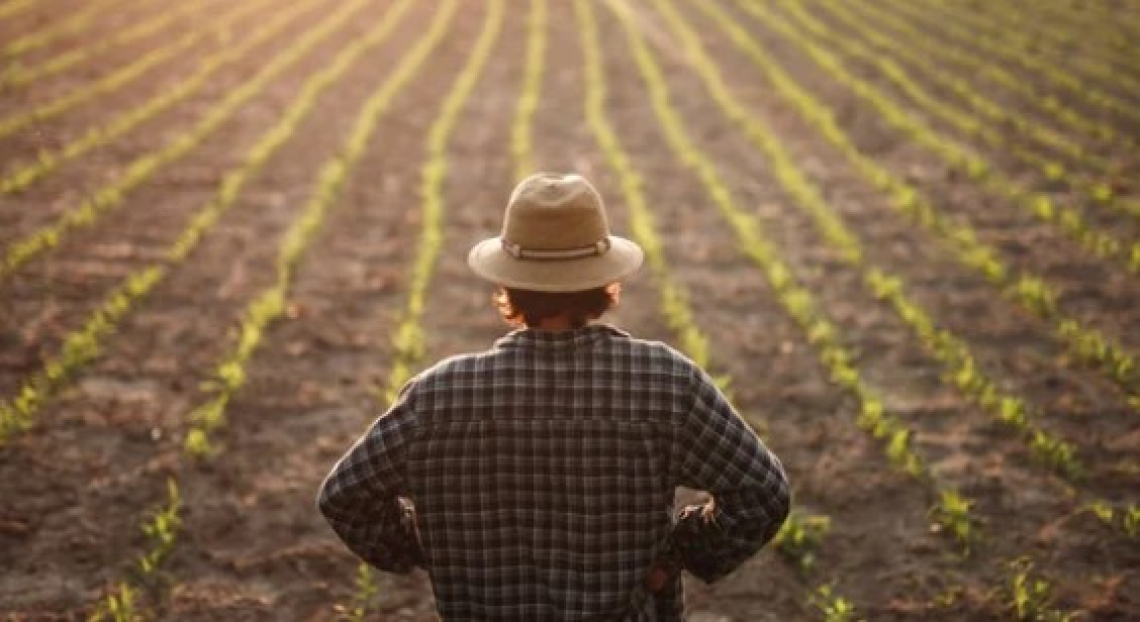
717 452
362 498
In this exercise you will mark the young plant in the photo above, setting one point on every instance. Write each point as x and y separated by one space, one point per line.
800 537
118 606
952 514
832 606
1029 598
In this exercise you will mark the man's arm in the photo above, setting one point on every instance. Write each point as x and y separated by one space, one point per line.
361 497
718 453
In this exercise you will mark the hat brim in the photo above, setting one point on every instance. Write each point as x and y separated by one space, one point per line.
489 260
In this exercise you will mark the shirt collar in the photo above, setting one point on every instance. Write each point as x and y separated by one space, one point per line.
559 340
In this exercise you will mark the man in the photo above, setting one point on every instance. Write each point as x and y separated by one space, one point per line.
535 481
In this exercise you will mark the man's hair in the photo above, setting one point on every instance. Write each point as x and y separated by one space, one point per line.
529 308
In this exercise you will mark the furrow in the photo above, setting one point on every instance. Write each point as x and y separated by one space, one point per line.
96 137
110 196
982 66
165 521
1044 207
84 344
1100 191
1030 291
42 113
20 75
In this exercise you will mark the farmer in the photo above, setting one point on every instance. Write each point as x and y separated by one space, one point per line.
535 480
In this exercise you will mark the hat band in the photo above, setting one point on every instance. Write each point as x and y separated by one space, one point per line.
518 252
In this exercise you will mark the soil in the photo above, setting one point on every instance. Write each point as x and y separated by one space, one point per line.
97 461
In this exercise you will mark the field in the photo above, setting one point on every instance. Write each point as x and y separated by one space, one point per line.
905 235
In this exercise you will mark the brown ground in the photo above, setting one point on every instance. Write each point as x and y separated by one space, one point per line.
75 488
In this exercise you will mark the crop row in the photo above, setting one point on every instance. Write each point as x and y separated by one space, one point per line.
992 133
797 300
270 303
1027 49
979 65
82 345
522 150
960 366
1055 74
48 161
979 168
54 30
1112 33
1039 23
802 533
1100 187
1030 291
17 75
111 195
42 113
15 7
750 232
961 39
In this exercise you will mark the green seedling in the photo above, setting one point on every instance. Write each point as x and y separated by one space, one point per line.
800 537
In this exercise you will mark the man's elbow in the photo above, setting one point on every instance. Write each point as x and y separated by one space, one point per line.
327 500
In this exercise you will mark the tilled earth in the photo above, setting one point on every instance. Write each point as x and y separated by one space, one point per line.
97 460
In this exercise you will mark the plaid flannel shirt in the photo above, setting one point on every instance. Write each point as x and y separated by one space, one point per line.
535 481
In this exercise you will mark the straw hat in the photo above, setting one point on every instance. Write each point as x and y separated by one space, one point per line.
555 238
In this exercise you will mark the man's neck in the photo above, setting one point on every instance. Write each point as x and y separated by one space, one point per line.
556 324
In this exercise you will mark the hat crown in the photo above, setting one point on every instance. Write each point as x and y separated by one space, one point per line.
551 212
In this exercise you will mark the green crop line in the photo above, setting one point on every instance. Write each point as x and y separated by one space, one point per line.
48 161
15 7
802 534
1110 29
294 243
111 195
1100 192
959 365
1095 59
1025 47
521 140
161 531
44 112
797 301
980 65
903 50
1029 290
18 75
79 347
979 168
83 345
269 305
76 23
998 53
407 339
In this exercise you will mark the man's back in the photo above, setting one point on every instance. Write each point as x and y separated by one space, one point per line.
542 473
